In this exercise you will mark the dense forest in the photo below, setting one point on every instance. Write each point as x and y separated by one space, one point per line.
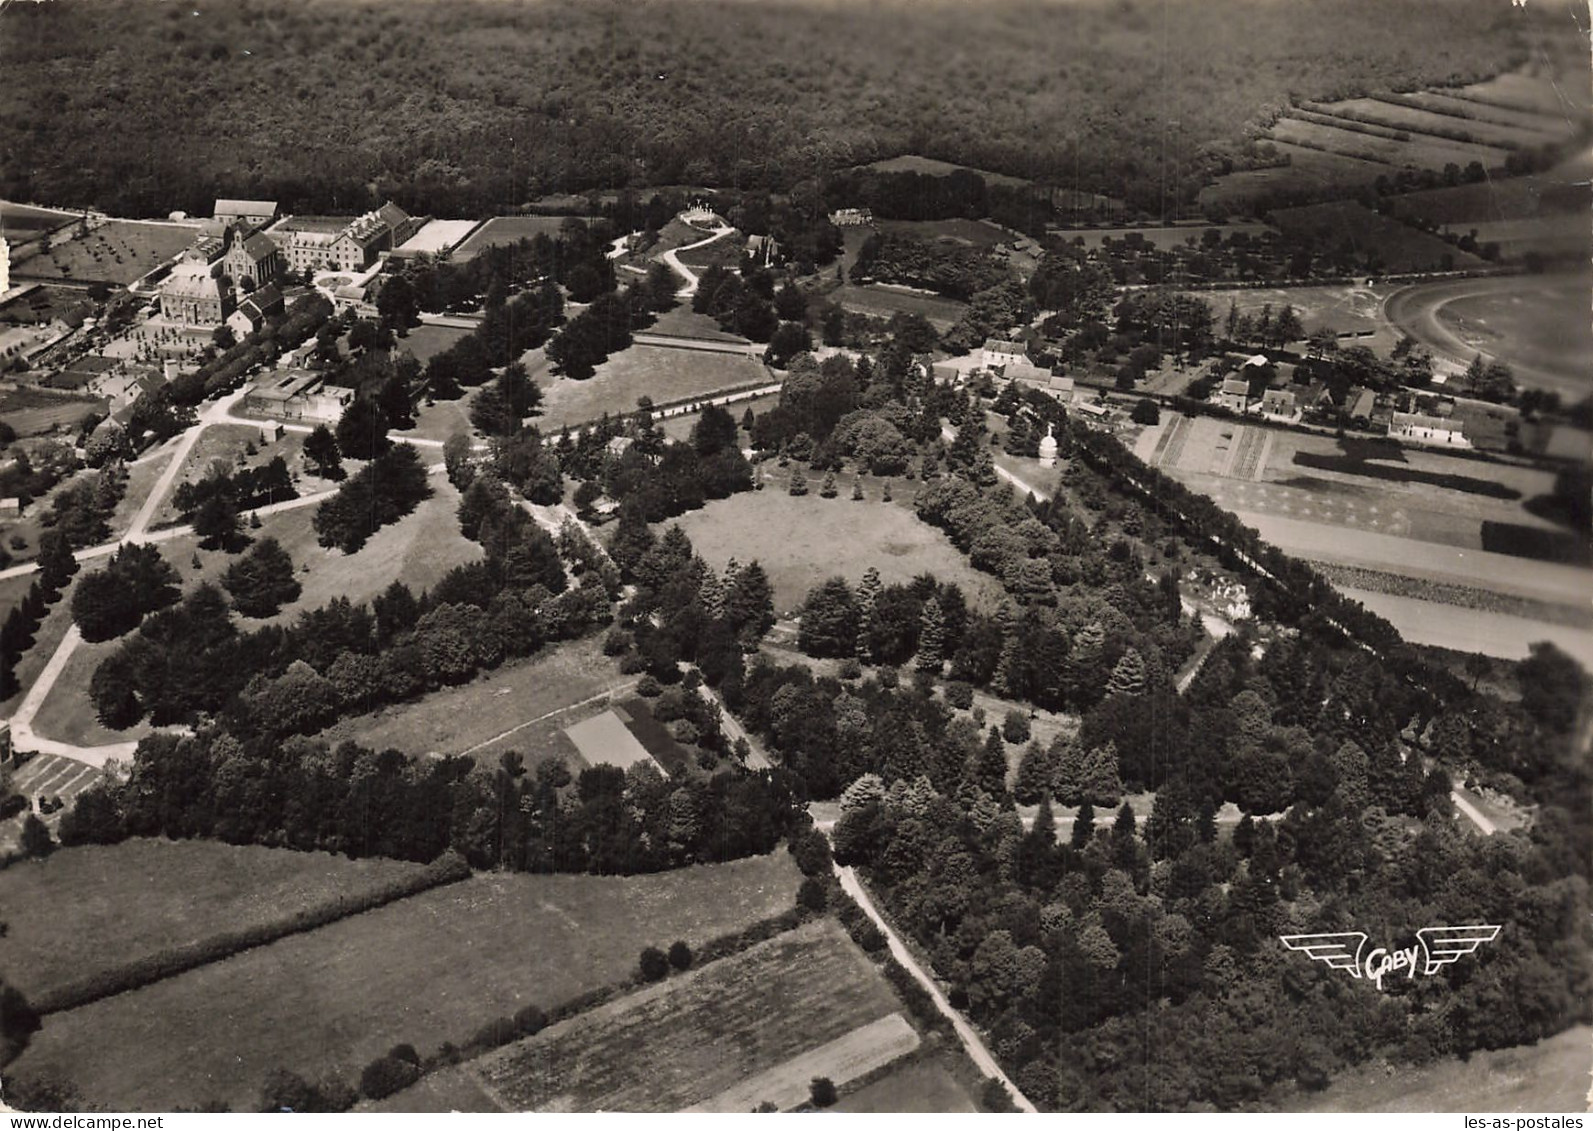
464 107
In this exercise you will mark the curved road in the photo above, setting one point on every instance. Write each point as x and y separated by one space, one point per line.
1415 310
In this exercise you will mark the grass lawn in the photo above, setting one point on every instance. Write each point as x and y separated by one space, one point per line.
924 1083
459 718
651 371
685 1041
934 167
502 230
968 233
687 323
45 640
34 412
1349 309
65 911
883 302
431 968
1535 321
1551 1075
119 251
221 444
67 713
438 421
425 342
802 541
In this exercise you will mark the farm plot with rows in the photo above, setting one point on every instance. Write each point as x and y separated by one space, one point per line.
431 968
689 1040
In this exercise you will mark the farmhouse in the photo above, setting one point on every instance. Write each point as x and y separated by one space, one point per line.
1026 372
1423 429
1279 404
192 295
250 213
253 311
997 352
1234 394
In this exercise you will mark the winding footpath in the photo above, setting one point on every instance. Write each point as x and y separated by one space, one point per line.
672 257
971 1041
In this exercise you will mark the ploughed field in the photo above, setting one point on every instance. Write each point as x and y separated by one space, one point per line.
427 969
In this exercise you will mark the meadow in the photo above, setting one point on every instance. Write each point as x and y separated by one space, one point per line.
426 341
662 373
922 1084
967 233
118 251
35 412
1551 1075
690 1039
431 968
149 895
502 230
883 302
499 709
820 538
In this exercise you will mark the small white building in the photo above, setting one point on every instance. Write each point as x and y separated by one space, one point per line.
1234 394
1422 429
1048 448
999 352
1279 404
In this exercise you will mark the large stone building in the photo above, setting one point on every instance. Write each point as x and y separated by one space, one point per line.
251 260
320 244
192 294
251 213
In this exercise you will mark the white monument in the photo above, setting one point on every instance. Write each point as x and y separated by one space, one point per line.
1048 449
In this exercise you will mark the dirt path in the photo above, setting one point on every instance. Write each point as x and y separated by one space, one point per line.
971 1040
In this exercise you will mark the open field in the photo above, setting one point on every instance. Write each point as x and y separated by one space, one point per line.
1537 324
930 166
846 1058
438 236
880 301
1556 235
604 739
86 909
1308 169
118 251
35 412
1513 198
426 341
924 1085
501 230
659 372
1474 132
430 968
1472 630
1350 138
1551 1075
966 233
1345 309
687 323
26 220
691 1038
819 538
459 718
1397 247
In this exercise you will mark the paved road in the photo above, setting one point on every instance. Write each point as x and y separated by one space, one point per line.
971 1041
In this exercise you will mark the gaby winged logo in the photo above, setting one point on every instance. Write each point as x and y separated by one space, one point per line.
1435 948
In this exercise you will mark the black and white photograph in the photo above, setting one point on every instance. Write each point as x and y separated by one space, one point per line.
947 557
